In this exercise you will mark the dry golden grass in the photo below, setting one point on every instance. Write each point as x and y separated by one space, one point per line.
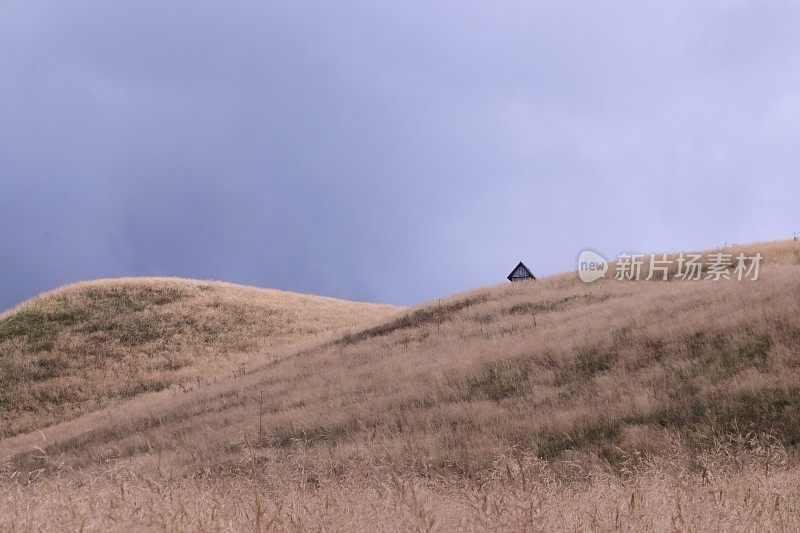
81 347
544 405
740 484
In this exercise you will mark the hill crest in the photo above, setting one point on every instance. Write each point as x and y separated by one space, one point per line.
80 347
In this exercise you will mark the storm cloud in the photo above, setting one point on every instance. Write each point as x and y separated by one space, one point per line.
387 151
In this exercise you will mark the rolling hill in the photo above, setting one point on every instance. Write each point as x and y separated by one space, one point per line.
516 391
82 347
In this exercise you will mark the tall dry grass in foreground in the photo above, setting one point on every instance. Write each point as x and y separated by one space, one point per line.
543 405
744 485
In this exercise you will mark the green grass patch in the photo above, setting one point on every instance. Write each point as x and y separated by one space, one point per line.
40 325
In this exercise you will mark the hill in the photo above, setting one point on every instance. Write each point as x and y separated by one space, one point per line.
519 406
82 347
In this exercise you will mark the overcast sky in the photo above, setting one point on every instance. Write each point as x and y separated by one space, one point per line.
387 151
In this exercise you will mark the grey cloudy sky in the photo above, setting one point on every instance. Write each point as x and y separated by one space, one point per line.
387 151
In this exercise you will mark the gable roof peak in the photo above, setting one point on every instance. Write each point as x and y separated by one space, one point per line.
526 271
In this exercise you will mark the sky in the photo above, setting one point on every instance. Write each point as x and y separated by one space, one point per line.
387 151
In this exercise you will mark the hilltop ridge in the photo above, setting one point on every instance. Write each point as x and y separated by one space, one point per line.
84 346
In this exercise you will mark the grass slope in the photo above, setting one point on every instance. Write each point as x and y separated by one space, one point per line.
81 347
535 406
555 367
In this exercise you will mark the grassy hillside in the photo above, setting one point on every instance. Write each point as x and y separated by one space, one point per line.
552 367
78 348
548 404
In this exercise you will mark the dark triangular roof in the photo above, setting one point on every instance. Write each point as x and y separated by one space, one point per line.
521 264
